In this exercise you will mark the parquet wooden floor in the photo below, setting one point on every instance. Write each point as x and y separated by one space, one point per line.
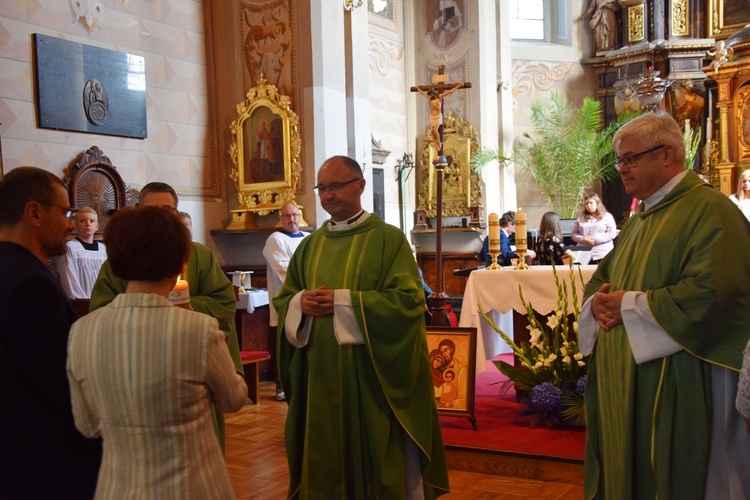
256 459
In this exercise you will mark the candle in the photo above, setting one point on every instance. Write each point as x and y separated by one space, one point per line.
521 231
180 294
494 232
708 129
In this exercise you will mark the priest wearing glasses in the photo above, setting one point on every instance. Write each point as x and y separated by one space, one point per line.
665 316
353 357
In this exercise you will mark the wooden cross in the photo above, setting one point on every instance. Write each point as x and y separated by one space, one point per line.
436 92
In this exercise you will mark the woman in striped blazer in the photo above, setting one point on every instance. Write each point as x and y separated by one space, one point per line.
144 373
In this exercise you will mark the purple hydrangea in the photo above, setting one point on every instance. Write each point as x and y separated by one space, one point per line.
545 397
581 385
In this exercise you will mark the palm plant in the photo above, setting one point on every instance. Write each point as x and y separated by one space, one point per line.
570 151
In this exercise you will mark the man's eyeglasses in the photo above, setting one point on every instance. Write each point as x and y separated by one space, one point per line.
631 161
69 212
334 187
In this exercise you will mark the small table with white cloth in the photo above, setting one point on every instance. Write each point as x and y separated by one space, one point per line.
497 293
253 298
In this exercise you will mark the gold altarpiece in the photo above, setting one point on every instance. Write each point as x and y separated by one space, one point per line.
733 79
462 187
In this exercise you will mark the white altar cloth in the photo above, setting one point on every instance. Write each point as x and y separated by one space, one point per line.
497 294
253 298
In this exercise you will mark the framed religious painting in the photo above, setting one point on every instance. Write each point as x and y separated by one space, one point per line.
265 150
453 367
725 17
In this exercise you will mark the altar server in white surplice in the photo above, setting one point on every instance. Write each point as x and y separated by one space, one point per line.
280 247
144 374
80 265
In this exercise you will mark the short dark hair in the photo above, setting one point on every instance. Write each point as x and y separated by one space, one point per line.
158 187
449 343
22 185
507 218
147 244
349 163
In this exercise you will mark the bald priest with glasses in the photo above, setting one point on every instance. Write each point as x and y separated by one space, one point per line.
665 314
362 420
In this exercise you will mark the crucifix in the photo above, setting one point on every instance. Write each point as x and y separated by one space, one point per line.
439 89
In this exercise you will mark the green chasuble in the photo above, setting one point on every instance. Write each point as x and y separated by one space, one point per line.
211 293
350 406
649 425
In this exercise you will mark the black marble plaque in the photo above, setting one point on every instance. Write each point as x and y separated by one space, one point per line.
89 89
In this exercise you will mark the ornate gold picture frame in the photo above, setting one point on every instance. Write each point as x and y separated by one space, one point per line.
453 366
265 150
462 186
726 16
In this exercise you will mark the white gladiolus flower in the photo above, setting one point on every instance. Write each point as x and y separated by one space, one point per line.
538 365
553 321
575 326
578 356
566 360
581 363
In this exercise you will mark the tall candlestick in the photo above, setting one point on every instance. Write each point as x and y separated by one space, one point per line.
494 239
494 232
521 231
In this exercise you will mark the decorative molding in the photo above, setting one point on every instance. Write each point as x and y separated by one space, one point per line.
742 118
528 76
268 42
680 14
384 56
636 23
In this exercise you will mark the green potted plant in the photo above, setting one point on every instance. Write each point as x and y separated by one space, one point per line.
568 153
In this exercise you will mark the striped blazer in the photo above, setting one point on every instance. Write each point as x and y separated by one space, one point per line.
143 375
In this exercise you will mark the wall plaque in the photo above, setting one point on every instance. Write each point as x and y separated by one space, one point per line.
89 89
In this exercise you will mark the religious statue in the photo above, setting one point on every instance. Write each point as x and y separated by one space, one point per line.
604 23
436 110
720 55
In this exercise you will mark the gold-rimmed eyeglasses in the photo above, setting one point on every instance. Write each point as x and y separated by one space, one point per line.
334 187
69 212
631 161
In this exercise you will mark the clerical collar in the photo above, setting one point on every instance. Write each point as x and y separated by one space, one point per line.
663 191
93 246
350 223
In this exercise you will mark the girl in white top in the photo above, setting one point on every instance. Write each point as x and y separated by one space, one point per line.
742 197
596 227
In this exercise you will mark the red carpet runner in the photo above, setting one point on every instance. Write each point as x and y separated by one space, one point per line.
501 426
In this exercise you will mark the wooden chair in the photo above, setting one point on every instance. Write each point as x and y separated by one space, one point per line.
251 366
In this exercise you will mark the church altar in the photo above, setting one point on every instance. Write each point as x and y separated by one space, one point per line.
497 293
253 298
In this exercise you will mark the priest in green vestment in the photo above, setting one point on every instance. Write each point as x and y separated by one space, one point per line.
210 290
666 317
353 360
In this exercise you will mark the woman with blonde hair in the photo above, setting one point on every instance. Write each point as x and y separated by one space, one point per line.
550 248
742 197
596 227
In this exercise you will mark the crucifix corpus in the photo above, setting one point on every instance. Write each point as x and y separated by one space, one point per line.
439 89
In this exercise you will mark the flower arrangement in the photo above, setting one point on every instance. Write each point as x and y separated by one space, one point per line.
552 371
